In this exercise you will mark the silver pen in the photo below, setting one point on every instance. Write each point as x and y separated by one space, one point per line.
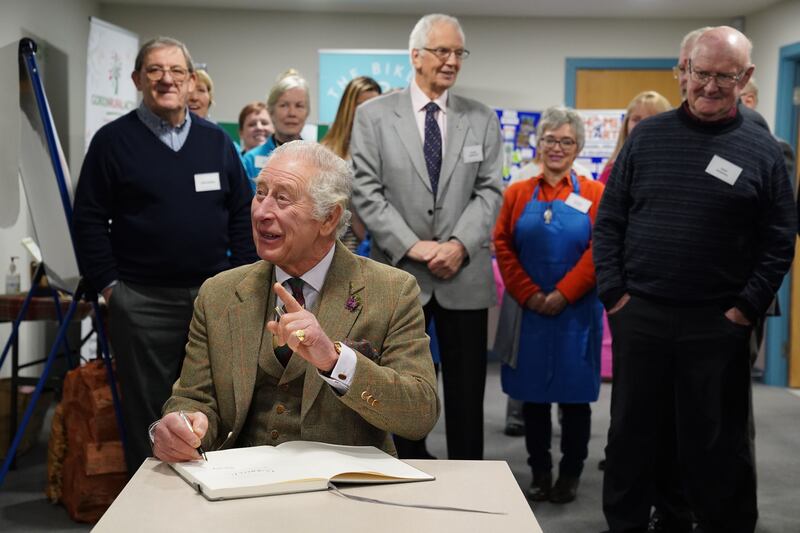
189 425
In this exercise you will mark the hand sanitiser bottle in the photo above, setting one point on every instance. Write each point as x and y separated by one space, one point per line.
12 278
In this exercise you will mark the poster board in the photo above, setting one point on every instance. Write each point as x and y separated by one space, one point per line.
602 131
45 175
390 68
110 58
518 130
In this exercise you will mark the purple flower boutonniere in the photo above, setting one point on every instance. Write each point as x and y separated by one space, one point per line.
353 303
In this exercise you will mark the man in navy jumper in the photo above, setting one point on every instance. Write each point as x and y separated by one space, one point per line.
162 204
692 239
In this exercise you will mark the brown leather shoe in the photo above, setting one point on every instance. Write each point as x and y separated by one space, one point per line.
565 489
539 490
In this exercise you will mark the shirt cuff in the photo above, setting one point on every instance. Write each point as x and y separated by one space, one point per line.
151 431
342 374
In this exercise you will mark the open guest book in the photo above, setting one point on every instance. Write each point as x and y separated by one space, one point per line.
295 466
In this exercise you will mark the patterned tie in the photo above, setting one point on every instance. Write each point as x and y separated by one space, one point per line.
432 148
284 353
296 285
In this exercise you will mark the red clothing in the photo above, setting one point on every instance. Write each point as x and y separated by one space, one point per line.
577 281
603 177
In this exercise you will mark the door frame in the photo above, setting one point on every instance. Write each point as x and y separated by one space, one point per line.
777 354
573 64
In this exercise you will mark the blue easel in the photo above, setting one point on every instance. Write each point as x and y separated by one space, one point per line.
27 54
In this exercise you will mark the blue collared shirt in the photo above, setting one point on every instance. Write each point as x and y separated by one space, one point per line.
172 136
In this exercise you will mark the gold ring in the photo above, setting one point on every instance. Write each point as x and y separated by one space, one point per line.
300 334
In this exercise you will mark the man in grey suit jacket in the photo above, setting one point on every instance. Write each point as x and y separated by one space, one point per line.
428 186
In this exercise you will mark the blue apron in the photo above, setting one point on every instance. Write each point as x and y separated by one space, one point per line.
559 356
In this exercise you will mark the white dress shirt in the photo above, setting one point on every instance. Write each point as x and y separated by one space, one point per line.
418 102
313 280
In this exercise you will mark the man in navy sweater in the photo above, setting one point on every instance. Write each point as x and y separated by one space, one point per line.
162 204
692 239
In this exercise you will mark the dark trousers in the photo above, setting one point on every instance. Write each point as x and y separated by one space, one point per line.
680 373
149 327
462 339
576 424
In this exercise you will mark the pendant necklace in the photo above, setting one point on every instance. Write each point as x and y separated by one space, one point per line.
548 215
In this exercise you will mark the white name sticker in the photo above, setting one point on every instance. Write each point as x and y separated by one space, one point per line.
724 170
473 154
578 202
260 161
208 181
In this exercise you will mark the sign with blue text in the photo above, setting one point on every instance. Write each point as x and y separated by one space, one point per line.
390 68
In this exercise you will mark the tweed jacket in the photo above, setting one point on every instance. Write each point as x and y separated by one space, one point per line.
393 196
393 389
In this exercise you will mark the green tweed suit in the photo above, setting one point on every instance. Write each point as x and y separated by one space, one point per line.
393 389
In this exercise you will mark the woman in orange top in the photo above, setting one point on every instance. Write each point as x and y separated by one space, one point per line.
543 248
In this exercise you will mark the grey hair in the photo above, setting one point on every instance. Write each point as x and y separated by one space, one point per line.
287 81
556 116
422 30
331 184
162 42
690 38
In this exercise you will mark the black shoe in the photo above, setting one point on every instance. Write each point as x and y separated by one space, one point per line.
539 490
514 429
565 489
601 465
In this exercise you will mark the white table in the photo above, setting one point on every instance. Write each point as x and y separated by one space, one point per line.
157 500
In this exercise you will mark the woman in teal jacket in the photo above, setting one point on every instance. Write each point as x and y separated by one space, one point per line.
288 105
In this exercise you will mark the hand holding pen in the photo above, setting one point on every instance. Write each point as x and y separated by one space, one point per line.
189 425
176 437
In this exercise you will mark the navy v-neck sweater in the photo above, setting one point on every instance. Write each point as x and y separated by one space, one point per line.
670 231
139 217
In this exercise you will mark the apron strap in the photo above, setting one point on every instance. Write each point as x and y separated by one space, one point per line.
575 187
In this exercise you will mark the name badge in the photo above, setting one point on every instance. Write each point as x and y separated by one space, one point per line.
578 202
208 181
473 154
724 170
260 161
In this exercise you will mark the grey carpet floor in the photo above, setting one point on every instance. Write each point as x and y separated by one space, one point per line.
23 507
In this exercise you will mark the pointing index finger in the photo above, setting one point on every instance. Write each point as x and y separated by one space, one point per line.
288 300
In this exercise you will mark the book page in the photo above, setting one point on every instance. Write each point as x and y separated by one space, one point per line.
292 467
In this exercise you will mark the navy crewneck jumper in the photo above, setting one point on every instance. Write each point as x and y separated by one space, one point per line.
163 231
669 231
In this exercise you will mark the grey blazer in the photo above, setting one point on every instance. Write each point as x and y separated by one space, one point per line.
392 192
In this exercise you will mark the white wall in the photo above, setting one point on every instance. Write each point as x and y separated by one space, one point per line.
517 63
64 25
770 30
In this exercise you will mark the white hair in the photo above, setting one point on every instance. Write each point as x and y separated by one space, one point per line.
422 30
690 38
291 79
331 184
556 116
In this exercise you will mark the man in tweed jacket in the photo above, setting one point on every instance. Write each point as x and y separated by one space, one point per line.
347 362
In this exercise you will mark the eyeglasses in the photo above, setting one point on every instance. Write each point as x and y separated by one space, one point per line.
678 71
565 142
444 53
156 73
723 81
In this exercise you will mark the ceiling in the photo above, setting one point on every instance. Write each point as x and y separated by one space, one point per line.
500 8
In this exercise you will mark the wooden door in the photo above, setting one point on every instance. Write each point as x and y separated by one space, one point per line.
615 88
794 307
